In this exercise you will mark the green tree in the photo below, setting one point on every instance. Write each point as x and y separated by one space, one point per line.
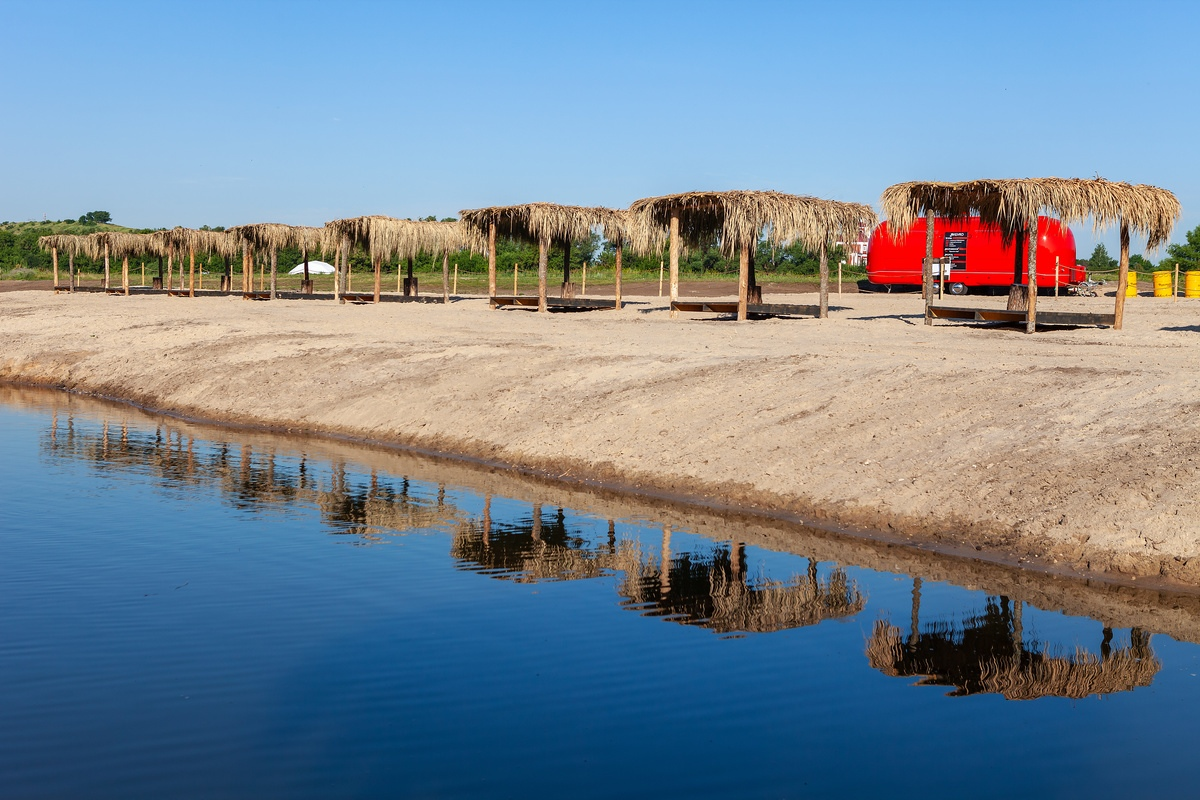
1100 259
1187 255
100 217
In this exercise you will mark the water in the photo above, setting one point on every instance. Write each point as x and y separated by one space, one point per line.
186 611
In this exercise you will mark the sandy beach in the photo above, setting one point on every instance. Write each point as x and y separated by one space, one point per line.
1067 450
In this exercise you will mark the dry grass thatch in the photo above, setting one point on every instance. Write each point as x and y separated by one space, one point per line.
1023 675
1011 203
183 240
738 218
535 222
118 244
65 243
385 238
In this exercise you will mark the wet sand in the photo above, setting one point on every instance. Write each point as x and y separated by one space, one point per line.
1071 450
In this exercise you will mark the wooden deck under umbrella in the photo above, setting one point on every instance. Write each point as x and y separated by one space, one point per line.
1014 205
737 220
542 224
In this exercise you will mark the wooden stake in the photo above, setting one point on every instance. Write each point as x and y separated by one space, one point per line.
674 262
200 284
125 274
840 276
399 277
1031 259
823 261
411 285
660 277
378 276
1057 259
454 291
743 280
1175 294
170 267
492 261
1122 279
617 279
583 290
191 271
106 266
927 269
71 270
54 259
515 267
446 278
337 274
543 264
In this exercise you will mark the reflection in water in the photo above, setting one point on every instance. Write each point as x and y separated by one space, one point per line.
987 653
712 590
253 480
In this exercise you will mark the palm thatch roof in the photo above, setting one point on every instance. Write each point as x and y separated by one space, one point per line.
274 236
1011 203
64 242
536 222
385 238
626 229
741 217
182 240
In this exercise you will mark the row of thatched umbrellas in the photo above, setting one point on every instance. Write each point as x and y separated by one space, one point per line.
735 221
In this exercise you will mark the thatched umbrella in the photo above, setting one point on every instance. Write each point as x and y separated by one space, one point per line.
624 229
738 219
269 238
543 224
1014 206
72 245
180 240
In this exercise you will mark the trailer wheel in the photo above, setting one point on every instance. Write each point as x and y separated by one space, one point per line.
957 288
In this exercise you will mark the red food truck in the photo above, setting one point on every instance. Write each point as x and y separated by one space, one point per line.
978 255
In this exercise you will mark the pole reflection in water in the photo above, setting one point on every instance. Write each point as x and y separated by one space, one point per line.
987 653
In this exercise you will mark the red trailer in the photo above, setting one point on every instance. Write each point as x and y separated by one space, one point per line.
979 256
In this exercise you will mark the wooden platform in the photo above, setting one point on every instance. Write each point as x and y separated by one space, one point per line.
256 295
1005 315
755 309
556 303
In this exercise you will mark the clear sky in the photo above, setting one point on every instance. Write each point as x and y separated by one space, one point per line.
175 113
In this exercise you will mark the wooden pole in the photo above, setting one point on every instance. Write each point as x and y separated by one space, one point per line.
337 273
262 265
160 271
1031 260
492 261
378 276
307 280
191 271
617 279
54 259
274 273
660 277
823 262
454 291
567 289
927 269
200 283
143 273
743 280
1123 278
583 290
1175 293
106 266
516 266
446 278
399 277
125 274
71 269
411 287
840 276
543 265
673 255
245 269
170 267
1057 259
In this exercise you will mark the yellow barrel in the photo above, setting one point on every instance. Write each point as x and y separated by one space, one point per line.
1162 284
1191 284
1131 288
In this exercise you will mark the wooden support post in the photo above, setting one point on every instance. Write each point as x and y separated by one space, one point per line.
1031 259
743 281
159 279
143 283
516 267
262 265
306 287
492 260
54 259
617 278
200 278
1057 259
754 293
106 266
399 278
170 267
660 277
823 261
446 278
840 277
1122 279
927 269
71 269
673 255
454 290
337 273
583 289
543 265
378 276
125 274
410 283
568 289
1175 293
191 271
274 274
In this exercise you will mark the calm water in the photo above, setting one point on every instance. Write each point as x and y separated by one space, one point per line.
187 612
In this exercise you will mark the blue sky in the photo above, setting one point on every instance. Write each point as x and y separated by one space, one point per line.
216 113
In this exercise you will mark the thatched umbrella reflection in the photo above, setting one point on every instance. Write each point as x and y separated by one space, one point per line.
987 653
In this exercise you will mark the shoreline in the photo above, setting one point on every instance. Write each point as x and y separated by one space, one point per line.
385 364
